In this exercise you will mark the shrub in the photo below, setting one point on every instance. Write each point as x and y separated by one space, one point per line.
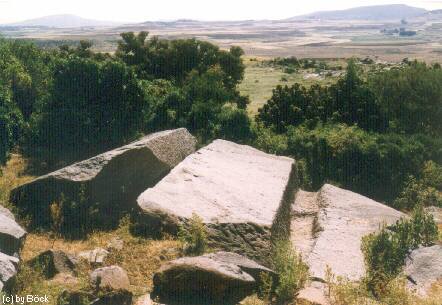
385 251
234 124
193 235
291 270
426 191
375 165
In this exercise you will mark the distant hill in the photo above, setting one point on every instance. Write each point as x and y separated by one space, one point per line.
64 21
376 12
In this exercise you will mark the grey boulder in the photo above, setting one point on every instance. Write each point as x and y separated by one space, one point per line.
235 189
109 279
12 235
217 278
111 181
8 270
53 262
423 268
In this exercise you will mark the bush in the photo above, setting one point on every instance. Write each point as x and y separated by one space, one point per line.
292 272
411 97
234 124
426 191
193 235
385 251
375 165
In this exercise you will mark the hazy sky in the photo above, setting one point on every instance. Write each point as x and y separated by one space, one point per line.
143 10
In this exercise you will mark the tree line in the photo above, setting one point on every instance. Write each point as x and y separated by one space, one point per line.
378 134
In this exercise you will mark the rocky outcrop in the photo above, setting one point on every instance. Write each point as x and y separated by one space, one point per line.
327 229
235 189
109 182
423 268
217 278
53 262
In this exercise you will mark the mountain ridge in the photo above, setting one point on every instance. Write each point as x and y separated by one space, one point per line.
63 21
372 12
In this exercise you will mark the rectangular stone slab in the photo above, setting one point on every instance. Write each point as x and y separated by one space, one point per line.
114 178
341 219
235 189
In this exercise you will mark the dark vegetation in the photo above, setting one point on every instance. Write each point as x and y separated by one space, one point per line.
60 106
376 133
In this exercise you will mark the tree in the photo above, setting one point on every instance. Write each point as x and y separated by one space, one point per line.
94 106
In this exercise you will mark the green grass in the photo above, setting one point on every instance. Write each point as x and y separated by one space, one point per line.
260 79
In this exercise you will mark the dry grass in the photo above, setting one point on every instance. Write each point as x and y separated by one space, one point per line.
12 175
344 292
140 257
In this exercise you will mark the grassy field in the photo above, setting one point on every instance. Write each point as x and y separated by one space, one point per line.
261 78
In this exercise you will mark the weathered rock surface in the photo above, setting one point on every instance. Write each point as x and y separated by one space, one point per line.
8 269
11 234
423 268
110 278
113 179
217 278
327 229
53 262
94 257
235 189
340 219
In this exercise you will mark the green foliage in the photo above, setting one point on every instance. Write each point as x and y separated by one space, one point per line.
175 59
376 165
349 101
93 107
425 191
385 251
193 235
411 97
268 141
234 124
292 272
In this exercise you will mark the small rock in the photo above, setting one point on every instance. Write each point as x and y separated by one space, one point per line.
115 244
423 267
217 278
96 256
110 278
53 262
